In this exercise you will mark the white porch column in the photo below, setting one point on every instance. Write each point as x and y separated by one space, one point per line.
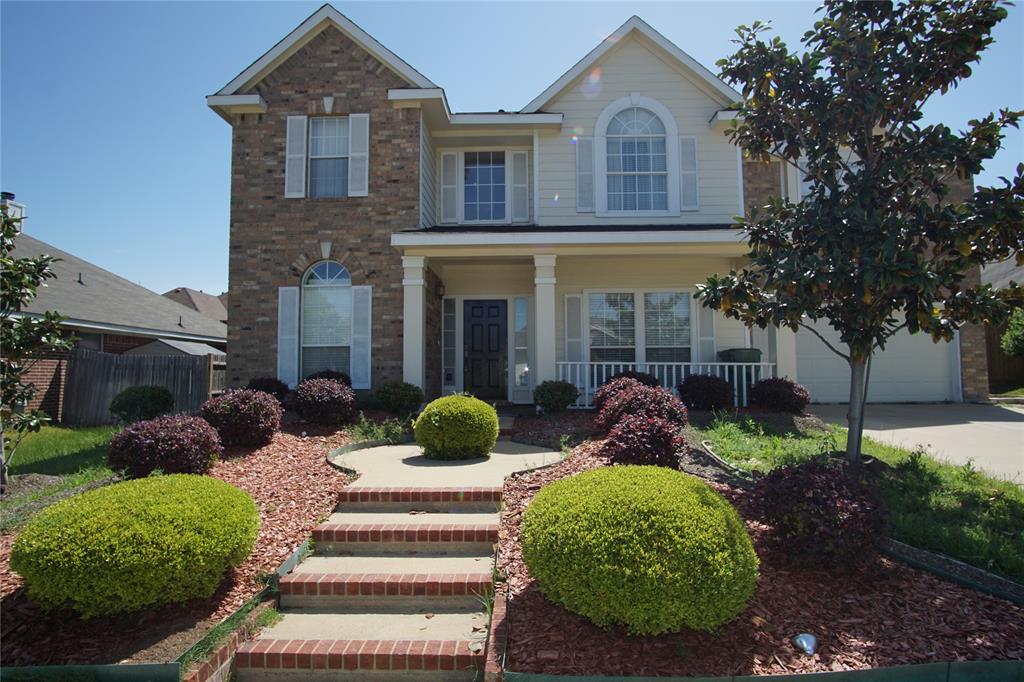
414 320
785 353
544 302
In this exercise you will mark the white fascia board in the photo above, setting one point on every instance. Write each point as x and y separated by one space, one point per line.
634 23
724 116
310 27
237 104
483 238
507 118
88 325
420 95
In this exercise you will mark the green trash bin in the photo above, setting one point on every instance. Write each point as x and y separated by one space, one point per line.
740 355
741 378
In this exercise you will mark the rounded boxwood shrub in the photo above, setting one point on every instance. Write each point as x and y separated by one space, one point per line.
641 400
779 395
705 392
175 444
398 397
611 389
643 377
639 439
690 563
141 402
325 401
271 385
333 375
818 513
456 427
555 396
243 416
136 544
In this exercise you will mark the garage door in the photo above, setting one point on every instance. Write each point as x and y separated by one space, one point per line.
911 369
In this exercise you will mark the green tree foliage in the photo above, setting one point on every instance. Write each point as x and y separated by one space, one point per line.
879 243
23 338
1012 340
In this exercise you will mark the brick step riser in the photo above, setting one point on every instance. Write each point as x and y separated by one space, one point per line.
383 660
403 508
279 675
440 499
391 549
359 592
398 534
293 603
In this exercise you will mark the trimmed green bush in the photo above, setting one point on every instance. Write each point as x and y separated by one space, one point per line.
398 397
456 427
138 403
136 544
555 396
1012 340
644 547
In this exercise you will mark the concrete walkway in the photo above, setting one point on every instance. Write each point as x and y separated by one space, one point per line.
992 436
400 466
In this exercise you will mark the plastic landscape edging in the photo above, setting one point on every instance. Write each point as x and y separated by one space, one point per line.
958 671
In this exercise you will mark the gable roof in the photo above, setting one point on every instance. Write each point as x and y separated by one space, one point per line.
186 347
207 304
641 27
303 33
94 298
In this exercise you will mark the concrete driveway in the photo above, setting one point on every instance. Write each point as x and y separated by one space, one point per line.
990 435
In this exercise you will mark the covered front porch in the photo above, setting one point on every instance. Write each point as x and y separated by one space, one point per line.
495 314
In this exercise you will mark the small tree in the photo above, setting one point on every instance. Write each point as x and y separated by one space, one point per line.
22 339
1012 340
878 243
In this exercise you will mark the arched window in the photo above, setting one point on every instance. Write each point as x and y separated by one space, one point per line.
637 161
326 319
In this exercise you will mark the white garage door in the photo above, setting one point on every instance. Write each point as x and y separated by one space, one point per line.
911 369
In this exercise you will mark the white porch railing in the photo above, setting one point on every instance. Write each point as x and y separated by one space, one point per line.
590 376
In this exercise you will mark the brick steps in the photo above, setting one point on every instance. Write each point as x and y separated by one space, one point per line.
387 591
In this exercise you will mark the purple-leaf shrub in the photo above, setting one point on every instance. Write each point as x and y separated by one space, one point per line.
331 374
779 395
243 416
819 514
325 401
174 444
705 392
643 377
641 400
271 385
612 389
640 439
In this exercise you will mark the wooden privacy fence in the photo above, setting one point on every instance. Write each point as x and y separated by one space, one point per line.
94 378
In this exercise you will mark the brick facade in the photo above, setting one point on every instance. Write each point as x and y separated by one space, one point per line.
119 343
273 239
760 181
48 373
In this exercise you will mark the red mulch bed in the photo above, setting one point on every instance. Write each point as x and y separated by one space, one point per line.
881 613
294 488
547 431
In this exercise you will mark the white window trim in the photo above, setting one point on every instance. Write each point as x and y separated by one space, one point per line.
601 156
460 187
639 328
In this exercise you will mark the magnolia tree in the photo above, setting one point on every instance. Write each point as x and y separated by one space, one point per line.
878 243
22 339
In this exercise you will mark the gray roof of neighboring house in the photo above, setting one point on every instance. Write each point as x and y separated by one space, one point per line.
92 297
207 304
188 347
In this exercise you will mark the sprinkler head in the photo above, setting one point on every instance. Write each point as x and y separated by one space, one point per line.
806 643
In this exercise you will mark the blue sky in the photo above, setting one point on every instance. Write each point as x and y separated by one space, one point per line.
105 134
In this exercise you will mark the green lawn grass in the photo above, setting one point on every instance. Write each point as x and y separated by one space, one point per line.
60 450
955 510
1011 393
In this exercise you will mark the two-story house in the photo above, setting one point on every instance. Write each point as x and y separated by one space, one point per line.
375 231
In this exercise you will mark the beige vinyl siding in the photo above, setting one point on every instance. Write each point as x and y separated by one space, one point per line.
578 274
636 67
428 178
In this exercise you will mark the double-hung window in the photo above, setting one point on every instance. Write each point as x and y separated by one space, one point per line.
326 319
328 157
639 327
637 162
484 187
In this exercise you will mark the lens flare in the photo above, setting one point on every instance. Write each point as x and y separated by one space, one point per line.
591 85
574 139
554 199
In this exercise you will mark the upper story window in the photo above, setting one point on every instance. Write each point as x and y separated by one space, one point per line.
484 186
637 162
328 157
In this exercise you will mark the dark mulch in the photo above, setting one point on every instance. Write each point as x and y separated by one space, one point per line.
878 613
547 431
294 488
781 423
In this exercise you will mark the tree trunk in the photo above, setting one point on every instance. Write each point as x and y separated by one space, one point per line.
855 413
3 464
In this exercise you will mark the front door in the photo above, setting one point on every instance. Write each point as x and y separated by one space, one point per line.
485 343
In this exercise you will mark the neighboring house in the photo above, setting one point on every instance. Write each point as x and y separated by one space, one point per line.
175 348
214 307
374 231
1004 371
106 313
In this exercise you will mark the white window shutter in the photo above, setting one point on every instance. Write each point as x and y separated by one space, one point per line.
361 322
295 158
573 328
585 175
520 183
358 155
689 195
706 340
449 187
288 335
